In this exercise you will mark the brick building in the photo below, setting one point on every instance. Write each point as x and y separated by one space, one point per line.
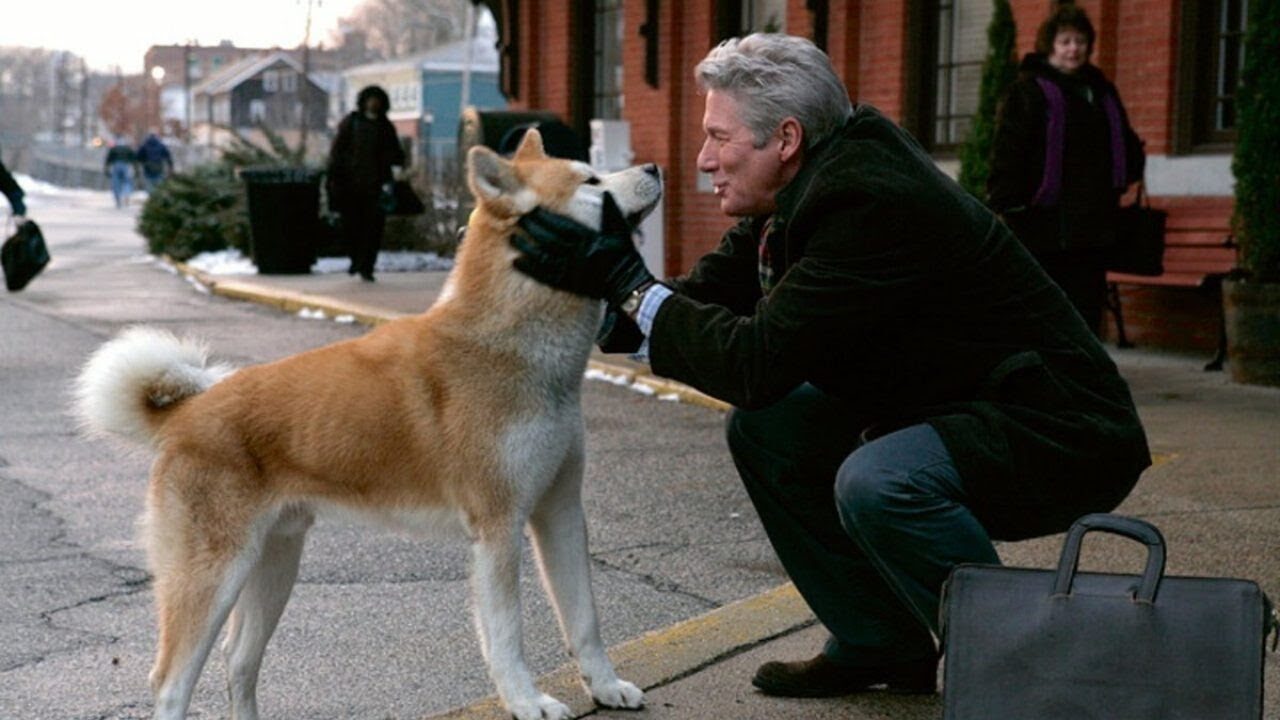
919 61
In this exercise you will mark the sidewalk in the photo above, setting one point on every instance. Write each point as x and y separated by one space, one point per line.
1214 492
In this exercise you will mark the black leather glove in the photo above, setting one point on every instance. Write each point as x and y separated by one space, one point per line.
569 256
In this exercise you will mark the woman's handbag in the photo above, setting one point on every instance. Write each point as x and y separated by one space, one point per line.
1064 645
402 200
1139 242
23 256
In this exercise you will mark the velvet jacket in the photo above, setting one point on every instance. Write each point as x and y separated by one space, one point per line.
902 294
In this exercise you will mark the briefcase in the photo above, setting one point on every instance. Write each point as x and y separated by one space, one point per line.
23 256
1050 645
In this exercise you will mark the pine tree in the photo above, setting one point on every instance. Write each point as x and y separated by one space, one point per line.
999 70
1257 173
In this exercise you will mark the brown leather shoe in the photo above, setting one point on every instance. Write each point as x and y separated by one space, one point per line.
822 677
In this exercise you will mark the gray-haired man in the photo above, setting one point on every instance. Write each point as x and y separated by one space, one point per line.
909 384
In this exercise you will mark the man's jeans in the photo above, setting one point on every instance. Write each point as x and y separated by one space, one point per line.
867 531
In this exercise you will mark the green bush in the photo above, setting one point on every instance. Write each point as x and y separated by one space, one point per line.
999 70
1257 171
194 212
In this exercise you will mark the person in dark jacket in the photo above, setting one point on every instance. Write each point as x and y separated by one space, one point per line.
13 193
118 167
908 382
155 160
360 173
1062 156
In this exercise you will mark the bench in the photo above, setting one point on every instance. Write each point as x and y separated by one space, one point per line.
1199 253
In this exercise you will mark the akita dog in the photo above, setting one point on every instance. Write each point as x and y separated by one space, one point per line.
467 417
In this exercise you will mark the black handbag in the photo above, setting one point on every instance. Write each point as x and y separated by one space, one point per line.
402 200
1069 645
1139 240
23 256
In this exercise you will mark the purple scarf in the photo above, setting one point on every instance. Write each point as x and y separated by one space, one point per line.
1055 140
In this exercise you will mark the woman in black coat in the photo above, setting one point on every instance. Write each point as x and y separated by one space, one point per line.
360 171
1063 155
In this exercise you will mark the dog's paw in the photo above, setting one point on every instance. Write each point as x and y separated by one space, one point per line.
542 707
618 694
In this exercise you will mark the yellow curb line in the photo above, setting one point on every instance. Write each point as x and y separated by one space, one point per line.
666 655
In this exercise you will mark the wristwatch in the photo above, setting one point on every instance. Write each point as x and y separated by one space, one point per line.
631 306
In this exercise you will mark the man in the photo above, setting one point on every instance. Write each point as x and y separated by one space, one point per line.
908 383
156 161
361 162
13 193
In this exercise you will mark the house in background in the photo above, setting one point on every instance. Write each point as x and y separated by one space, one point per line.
268 90
429 90
1175 62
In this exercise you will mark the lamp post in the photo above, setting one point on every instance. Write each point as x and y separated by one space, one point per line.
157 74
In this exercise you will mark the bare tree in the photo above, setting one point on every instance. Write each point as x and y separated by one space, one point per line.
396 28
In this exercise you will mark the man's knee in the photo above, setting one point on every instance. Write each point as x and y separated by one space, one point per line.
865 491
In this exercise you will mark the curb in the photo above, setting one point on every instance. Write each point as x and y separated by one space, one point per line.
664 656
637 376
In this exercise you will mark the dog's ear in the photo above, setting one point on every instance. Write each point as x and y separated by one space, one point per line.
531 146
491 176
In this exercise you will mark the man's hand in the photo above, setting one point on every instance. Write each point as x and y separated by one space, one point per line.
569 256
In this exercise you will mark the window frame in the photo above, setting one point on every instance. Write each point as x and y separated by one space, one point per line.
925 74
1199 69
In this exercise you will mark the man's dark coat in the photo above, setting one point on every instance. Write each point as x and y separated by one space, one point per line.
905 296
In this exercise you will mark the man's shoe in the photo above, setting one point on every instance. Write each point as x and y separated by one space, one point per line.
367 276
823 677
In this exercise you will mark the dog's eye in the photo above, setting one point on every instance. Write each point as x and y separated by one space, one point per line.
593 180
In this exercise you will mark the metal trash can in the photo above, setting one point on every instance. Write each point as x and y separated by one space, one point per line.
284 218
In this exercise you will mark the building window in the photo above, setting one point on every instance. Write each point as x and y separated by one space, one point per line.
1212 54
257 111
289 82
607 97
270 81
952 68
764 16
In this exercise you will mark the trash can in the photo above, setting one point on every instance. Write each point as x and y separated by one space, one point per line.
501 130
284 218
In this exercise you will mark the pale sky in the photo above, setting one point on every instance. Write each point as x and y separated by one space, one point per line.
118 32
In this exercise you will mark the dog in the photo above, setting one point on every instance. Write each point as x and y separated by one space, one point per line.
464 420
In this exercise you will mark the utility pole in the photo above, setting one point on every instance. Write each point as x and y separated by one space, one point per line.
304 86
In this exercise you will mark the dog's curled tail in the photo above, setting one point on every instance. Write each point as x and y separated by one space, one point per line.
129 384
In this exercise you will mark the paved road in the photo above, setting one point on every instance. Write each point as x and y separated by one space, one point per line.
379 625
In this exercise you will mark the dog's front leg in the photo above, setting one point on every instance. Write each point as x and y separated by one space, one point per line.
559 529
496 586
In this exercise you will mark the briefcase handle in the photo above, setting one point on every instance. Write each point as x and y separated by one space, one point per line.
1140 530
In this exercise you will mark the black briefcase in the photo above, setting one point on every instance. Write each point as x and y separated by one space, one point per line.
23 256
1069 645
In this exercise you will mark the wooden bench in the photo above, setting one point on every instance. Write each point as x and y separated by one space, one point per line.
1199 253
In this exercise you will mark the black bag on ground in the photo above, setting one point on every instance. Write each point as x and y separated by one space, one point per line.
1139 240
23 256
1065 645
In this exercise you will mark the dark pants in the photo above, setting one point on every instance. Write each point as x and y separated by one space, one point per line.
867 531
363 223
1082 275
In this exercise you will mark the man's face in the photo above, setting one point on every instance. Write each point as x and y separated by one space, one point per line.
745 178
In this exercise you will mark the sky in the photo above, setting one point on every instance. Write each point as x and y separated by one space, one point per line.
107 33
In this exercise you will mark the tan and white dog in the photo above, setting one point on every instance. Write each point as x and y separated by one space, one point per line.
465 418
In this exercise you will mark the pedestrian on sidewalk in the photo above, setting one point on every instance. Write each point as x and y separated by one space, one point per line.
155 160
13 193
1062 203
362 162
909 385
119 166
